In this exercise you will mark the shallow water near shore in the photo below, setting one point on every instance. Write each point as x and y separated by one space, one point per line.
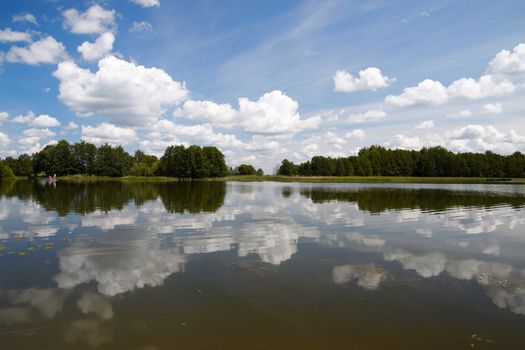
229 265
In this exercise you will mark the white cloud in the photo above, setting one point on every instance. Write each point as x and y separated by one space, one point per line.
94 21
465 113
495 83
101 47
429 124
24 119
147 3
34 139
493 108
142 26
373 115
38 133
273 113
165 133
9 36
370 78
123 91
25 17
427 91
433 92
405 142
478 138
357 134
71 126
507 62
46 50
45 121
486 86
4 116
108 133
4 140
223 115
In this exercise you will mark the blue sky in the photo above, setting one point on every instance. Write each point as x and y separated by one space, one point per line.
263 80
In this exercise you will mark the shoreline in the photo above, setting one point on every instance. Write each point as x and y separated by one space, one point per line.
305 179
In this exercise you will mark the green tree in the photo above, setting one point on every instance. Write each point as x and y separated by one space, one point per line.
112 161
5 172
216 163
143 164
245 169
287 168
84 154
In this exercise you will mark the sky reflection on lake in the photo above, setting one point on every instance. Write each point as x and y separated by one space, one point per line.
80 263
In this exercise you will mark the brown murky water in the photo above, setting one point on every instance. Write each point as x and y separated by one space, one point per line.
261 266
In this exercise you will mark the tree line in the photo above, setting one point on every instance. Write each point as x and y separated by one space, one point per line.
85 158
427 162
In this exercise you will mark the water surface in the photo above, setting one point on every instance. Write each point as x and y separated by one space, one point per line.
213 265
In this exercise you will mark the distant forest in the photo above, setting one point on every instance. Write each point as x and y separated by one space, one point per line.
196 162
428 162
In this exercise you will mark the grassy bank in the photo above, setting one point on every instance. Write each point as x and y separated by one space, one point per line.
373 179
326 179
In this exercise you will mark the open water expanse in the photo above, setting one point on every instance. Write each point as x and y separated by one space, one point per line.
214 265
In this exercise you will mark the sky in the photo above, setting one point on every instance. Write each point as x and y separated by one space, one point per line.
263 80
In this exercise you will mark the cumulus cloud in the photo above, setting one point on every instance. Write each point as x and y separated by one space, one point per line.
165 133
373 115
25 17
433 92
96 50
108 133
273 113
429 124
504 68
464 113
71 126
45 121
42 121
24 119
485 86
223 115
370 78
470 138
9 36
33 139
479 138
509 62
95 20
147 3
123 91
357 134
44 51
427 91
142 26
405 142
4 140
4 116
493 108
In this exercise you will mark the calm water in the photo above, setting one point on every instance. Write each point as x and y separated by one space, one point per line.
261 266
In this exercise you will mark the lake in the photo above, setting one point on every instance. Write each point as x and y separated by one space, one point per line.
215 265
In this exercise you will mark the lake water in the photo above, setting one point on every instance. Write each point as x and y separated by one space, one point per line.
212 265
